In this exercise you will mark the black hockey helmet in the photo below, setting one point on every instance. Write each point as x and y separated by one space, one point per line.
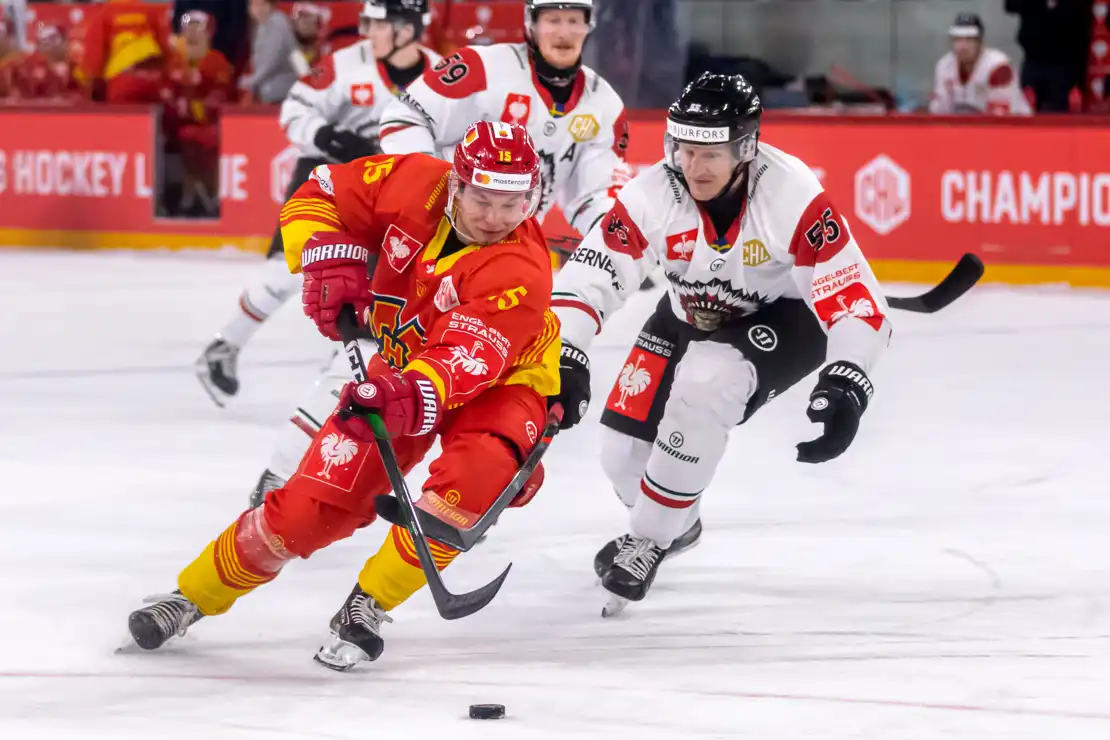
414 12
966 26
714 109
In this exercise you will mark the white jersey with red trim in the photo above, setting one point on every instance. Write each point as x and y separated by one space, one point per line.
789 241
349 89
581 143
992 86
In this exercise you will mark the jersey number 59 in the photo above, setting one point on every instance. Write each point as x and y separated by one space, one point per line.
452 69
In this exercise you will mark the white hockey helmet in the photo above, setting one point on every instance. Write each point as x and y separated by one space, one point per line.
532 9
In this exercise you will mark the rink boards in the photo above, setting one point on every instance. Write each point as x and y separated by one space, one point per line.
1031 196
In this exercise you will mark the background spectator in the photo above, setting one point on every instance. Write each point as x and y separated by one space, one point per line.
232 23
47 74
310 29
1055 35
200 80
272 49
123 53
16 13
10 59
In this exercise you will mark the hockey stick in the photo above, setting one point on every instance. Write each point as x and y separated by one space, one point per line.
450 606
389 508
960 280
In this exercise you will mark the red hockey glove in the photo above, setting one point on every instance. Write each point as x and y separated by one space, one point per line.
407 403
336 274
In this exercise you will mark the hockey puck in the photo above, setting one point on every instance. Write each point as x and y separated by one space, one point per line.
487 711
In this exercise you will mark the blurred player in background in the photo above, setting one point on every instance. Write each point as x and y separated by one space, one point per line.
199 80
576 119
310 28
761 267
123 53
47 74
331 116
15 12
459 301
973 78
11 59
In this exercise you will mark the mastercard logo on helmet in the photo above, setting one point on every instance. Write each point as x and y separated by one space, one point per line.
505 181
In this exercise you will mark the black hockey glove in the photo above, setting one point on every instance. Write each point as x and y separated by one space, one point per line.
345 146
574 385
838 402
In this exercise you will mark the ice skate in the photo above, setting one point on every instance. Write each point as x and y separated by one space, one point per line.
266 482
686 541
355 632
217 369
167 616
632 573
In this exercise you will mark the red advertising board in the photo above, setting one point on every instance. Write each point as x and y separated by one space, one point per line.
1031 197
60 171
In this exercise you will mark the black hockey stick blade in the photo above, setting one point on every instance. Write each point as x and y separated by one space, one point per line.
390 509
963 278
449 605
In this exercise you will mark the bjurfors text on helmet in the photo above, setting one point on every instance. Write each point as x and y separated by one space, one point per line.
698 134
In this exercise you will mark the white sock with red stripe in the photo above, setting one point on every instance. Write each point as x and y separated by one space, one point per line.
275 286
624 458
713 383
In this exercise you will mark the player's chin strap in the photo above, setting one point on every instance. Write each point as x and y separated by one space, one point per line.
393 40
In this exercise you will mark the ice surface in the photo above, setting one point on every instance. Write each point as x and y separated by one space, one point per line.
947 578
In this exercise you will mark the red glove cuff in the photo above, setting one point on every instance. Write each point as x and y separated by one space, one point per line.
427 403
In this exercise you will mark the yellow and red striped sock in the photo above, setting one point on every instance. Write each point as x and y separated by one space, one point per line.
394 574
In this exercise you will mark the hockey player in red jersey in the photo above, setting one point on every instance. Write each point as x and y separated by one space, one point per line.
766 284
331 115
199 80
468 349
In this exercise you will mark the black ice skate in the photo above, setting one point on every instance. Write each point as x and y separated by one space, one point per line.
355 629
686 541
632 573
168 615
266 483
217 369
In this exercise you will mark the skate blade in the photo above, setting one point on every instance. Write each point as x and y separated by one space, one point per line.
614 606
218 397
340 655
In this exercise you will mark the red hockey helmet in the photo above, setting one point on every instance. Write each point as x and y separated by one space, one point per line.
496 157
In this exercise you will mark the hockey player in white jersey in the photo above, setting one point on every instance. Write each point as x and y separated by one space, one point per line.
331 116
973 78
576 119
765 285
